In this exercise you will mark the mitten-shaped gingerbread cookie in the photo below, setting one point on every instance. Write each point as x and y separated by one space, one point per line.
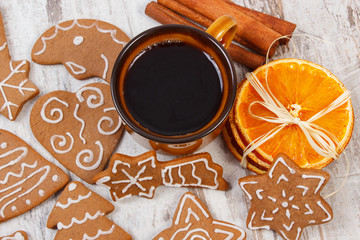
80 214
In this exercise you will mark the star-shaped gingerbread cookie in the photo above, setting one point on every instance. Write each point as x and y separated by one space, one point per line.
15 87
286 199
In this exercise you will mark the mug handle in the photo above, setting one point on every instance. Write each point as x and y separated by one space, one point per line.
223 29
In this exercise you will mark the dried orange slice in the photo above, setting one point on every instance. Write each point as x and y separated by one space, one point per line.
304 88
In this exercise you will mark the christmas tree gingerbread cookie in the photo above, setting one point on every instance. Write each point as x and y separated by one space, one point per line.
19 235
286 198
15 86
192 220
80 214
26 178
79 129
86 47
141 175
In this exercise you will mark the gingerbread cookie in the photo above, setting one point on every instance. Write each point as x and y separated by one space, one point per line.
86 47
141 175
192 220
286 198
15 86
79 129
19 235
80 214
26 178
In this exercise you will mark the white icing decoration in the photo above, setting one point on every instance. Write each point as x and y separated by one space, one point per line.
312 221
3 145
181 206
272 199
42 178
78 40
3 46
295 207
73 201
75 23
281 160
99 233
287 213
53 111
41 193
72 187
91 97
191 213
150 194
258 193
285 204
275 210
103 180
288 228
82 123
73 66
13 208
151 159
283 193
21 156
111 123
62 143
266 218
167 170
28 202
7 104
117 162
246 192
55 178
90 158
106 65
291 198
133 180
282 177
303 187
321 182
18 175
242 236
88 216
309 209
250 226
328 218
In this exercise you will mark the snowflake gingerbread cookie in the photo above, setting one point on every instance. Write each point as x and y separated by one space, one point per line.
192 220
286 198
141 175
15 86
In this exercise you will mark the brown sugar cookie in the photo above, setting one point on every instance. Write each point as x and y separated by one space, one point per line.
192 220
286 198
26 178
86 47
141 175
79 129
19 235
80 214
15 86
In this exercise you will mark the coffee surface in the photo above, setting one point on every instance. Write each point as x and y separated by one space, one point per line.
173 88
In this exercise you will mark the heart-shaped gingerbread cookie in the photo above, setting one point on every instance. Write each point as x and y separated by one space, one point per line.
79 129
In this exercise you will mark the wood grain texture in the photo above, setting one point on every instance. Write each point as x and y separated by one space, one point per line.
336 23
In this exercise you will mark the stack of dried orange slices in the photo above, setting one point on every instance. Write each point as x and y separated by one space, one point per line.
303 88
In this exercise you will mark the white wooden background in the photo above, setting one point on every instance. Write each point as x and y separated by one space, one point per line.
336 22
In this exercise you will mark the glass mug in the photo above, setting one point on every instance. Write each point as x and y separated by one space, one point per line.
142 75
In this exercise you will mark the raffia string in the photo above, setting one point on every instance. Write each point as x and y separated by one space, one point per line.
321 140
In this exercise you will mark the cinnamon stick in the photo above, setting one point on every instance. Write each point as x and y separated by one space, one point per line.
166 16
279 25
253 33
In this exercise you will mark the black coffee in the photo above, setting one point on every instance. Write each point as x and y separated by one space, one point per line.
173 88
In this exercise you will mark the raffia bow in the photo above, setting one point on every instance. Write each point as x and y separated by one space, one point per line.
321 140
